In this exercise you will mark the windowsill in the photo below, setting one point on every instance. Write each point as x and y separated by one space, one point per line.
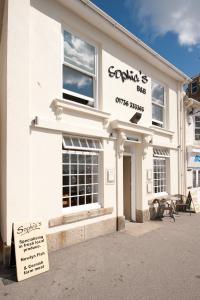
80 216
80 108
162 130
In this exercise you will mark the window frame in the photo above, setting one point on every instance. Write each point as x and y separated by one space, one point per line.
196 128
195 81
163 123
197 172
86 151
76 68
164 192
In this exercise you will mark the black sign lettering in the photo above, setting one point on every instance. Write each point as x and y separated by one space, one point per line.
127 75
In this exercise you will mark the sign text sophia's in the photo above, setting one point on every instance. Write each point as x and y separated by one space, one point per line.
137 77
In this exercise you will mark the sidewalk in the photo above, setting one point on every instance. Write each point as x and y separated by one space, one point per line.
155 260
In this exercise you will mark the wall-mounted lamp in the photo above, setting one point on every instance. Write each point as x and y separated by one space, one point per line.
136 118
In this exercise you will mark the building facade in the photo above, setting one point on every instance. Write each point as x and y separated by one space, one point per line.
192 139
90 122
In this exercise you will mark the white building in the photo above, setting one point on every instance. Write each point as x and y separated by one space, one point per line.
90 121
192 147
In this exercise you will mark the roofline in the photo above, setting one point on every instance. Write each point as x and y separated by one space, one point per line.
134 38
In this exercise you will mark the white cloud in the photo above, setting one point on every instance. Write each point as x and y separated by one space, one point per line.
79 80
178 16
79 52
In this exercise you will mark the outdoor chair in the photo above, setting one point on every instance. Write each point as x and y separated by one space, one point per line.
184 204
163 206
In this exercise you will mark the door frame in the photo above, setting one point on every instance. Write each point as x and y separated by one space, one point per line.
133 185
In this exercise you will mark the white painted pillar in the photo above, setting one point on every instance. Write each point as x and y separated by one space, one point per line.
17 168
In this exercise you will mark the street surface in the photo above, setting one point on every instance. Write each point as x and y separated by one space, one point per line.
155 260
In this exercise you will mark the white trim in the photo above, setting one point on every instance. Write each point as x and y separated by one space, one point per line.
130 127
161 130
133 185
65 127
87 110
80 208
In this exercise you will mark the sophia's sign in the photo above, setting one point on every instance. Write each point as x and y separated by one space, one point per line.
30 249
137 77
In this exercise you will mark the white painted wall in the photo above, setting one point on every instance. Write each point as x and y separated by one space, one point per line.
3 113
34 79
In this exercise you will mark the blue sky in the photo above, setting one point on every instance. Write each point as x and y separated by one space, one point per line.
171 28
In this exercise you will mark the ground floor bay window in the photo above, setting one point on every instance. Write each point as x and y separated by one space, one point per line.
160 157
80 171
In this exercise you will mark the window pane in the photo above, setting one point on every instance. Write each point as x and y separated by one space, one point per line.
157 93
65 169
82 179
88 189
88 159
67 141
194 178
73 158
82 200
75 142
73 190
83 143
90 143
79 53
73 179
88 179
88 199
73 201
88 169
81 189
81 169
66 192
81 159
198 178
65 180
74 169
65 158
157 113
77 82
95 159
194 87
95 198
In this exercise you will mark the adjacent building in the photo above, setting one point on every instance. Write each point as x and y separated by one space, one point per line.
91 122
192 139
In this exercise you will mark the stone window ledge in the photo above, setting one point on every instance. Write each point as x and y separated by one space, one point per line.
80 216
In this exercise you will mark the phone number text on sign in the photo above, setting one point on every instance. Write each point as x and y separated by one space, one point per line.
129 104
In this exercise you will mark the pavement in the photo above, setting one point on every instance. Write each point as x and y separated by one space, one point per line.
154 260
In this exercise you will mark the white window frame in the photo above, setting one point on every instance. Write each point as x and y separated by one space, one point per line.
163 123
196 128
85 151
95 76
161 154
197 172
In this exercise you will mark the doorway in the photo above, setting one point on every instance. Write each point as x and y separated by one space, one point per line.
127 187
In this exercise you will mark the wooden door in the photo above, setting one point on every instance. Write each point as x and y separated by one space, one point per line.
127 186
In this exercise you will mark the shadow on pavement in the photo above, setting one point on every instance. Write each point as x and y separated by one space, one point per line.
8 275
